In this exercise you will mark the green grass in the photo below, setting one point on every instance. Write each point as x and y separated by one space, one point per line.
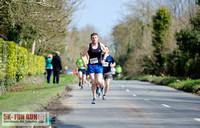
192 86
187 85
34 96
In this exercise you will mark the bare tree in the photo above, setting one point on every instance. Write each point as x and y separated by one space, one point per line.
42 21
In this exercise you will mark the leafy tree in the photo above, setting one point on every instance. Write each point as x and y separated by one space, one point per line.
161 24
189 42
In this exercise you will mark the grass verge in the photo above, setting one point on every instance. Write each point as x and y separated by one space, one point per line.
187 85
33 96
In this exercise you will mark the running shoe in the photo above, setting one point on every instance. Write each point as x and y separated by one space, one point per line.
79 83
104 97
93 101
81 86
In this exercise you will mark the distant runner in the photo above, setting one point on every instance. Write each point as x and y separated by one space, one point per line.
118 71
113 72
81 71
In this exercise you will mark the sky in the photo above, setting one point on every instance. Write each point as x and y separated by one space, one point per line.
102 14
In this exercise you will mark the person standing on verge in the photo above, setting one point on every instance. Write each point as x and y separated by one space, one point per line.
107 75
49 67
95 68
57 67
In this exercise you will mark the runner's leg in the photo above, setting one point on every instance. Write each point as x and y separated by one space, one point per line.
80 77
107 83
83 78
99 79
93 87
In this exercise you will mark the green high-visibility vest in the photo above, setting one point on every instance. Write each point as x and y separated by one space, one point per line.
118 69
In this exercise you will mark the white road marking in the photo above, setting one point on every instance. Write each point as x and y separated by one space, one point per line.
197 119
167 106
122 86
134 95
146 99
127 90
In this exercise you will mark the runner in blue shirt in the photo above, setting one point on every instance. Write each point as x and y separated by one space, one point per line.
107 75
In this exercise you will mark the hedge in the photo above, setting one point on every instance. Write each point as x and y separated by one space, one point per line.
11 59
18 62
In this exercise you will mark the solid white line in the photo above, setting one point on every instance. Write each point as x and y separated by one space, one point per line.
127 90
134 95
167 106
197 119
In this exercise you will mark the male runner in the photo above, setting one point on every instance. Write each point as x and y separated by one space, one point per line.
118 71
107 75
95 68
81 71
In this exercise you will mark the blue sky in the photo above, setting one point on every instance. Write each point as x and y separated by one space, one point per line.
102 14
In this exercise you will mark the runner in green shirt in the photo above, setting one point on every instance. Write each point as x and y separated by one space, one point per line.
118 71
81 71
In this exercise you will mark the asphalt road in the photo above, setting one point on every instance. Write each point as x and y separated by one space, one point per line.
132 104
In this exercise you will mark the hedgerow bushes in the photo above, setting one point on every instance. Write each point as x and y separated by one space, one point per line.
16 62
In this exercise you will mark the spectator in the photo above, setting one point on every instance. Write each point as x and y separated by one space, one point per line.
49 67
57 67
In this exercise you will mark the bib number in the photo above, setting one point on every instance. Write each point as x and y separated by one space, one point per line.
93 61
106 64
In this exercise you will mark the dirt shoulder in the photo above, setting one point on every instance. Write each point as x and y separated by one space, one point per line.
56 107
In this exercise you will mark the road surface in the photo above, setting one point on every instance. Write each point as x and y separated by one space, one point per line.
132 104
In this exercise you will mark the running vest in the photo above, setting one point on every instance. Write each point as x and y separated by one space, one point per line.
95 54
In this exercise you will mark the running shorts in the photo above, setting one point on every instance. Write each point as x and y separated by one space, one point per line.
95 68
87 73
82 70
107 75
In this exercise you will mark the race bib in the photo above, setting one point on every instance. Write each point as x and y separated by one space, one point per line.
106 64
93 61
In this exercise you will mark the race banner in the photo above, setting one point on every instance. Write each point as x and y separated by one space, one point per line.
25 119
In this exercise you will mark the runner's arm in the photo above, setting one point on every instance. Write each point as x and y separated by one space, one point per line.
103 48
83 53
113 65
104 52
